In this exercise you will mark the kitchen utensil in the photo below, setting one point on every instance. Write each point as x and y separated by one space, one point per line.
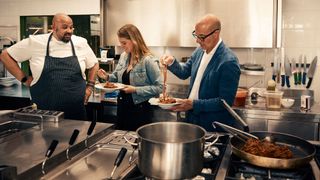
294 71
235 115
303 151
275 70
71 141
243 136
288 72
282 73
299 69
170 150
89 132
117 162
304 70
48 154
311 71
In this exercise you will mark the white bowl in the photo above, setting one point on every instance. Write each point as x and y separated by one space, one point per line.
287 102
167 105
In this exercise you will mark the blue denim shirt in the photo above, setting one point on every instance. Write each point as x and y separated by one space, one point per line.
220 81
145 76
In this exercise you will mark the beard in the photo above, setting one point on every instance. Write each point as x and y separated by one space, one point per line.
66 37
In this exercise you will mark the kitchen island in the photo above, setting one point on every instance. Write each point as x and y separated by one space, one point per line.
25 147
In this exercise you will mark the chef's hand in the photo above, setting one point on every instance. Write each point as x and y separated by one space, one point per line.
103 74
28 82
129 89
166 60
88 94
183 105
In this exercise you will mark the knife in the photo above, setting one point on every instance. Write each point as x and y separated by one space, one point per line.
294 71
282 74
299 69
288 72
304 70
311 70
274 70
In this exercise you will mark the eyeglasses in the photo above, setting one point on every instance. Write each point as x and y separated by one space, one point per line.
202 37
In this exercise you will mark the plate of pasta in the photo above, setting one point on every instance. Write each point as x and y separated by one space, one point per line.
167 103
109 87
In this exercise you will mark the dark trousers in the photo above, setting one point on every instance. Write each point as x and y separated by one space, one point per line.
131 116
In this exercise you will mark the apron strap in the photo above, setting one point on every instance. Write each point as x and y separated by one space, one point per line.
50 37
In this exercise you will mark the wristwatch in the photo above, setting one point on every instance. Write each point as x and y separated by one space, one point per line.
24 79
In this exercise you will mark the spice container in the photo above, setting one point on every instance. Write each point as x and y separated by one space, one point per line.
273 99
240 99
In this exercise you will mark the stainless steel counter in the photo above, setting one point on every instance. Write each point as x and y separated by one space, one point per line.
26 149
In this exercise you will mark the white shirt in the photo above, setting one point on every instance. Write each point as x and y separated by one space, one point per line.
34 50
194 94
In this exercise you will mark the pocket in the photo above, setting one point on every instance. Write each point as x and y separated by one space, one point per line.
140 77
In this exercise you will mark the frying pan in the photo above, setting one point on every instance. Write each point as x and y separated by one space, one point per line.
303 151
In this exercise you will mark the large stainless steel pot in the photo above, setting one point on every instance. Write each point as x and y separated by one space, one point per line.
170 150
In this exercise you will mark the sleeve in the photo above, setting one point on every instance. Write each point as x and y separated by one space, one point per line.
21 51
91 58
183 70
113 77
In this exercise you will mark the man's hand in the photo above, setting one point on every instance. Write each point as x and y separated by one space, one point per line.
166 60
183 105
28 82
88 94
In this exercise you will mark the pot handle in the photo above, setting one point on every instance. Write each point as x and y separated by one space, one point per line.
131 143
213 142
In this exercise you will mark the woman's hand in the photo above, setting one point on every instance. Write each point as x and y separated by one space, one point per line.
103 74
129 89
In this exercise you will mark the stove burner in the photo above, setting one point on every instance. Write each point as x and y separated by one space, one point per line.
239 169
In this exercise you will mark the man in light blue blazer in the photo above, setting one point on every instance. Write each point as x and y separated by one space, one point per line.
214 75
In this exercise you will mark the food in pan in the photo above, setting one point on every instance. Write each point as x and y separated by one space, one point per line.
267 149
167 100
110 85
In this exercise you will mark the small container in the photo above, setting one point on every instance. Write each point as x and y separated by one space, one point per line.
305 102
273 99
240 99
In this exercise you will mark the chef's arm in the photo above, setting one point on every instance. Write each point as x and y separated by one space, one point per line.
11 65
91 81
92 73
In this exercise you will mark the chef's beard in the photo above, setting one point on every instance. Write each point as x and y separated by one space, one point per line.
65 38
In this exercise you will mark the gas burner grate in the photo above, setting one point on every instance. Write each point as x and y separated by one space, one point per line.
239 169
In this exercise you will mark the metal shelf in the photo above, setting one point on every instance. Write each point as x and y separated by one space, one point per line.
252 73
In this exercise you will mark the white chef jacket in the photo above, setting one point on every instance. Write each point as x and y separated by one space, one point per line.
34 50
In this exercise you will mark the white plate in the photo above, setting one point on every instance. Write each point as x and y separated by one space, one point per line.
155 101
109 90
